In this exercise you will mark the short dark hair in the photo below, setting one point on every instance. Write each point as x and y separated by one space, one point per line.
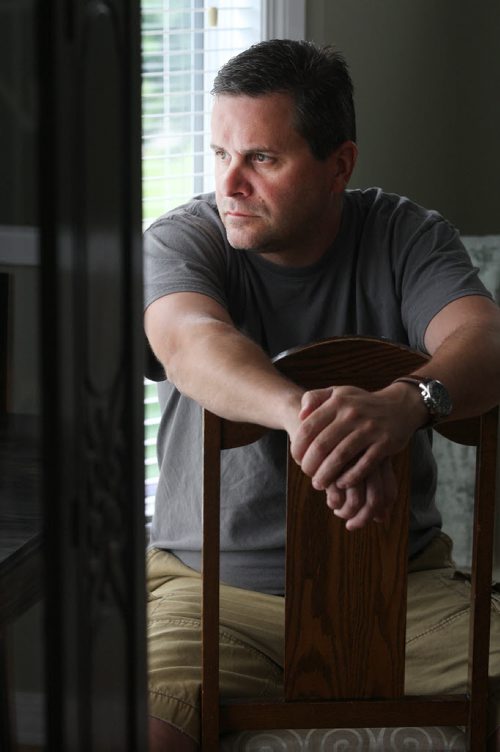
317 78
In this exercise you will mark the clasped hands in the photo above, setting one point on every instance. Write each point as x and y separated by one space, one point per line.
344 442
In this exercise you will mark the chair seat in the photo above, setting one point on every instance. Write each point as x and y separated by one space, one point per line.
430 739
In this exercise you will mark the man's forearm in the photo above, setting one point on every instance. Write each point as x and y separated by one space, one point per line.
468 363
227 373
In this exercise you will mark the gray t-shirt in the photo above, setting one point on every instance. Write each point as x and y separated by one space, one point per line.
392 267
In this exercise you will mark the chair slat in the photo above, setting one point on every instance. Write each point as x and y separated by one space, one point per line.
210 574
332 572
482 558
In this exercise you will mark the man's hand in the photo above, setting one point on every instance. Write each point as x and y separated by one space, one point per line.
372 499
345 442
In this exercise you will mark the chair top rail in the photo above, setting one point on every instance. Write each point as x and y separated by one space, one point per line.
379 363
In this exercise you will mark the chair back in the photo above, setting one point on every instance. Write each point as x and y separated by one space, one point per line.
345 598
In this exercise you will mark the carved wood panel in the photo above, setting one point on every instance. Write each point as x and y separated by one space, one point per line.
92 366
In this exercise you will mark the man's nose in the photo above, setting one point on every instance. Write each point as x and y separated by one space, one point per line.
235 180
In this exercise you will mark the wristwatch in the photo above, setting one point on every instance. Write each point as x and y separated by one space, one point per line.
434 394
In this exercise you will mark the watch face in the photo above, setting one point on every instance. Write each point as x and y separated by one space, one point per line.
436 398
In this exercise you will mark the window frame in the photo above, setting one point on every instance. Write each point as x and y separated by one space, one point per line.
283 19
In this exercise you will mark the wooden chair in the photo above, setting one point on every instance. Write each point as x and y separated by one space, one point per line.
350 585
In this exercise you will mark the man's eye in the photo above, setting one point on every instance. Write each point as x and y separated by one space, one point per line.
258 157
220 154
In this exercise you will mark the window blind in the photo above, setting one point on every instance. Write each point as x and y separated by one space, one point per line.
184 43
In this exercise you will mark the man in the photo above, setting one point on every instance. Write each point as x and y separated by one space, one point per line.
284 255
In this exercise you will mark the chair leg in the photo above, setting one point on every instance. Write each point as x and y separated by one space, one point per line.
6 710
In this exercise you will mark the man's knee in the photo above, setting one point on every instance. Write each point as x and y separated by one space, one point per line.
165 738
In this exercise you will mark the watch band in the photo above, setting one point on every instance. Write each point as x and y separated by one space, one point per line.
417 380
434 396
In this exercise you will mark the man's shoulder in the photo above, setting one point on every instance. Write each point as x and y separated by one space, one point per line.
375 202
389 215
201 209
202 205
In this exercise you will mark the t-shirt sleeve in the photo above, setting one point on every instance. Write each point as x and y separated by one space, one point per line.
184 253
432 269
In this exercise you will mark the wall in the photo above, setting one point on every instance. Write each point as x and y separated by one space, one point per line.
427 77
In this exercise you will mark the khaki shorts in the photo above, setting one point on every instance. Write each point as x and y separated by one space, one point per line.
251 636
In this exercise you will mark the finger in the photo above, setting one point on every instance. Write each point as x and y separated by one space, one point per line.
389 479
313 399
345 460
380 495
363 517
354 501
374 502
390 489
363 464
335 498
328 452
317 435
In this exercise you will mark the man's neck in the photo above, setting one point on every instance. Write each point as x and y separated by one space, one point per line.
311 249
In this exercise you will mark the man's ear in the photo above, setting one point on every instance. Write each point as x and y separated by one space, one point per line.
343 161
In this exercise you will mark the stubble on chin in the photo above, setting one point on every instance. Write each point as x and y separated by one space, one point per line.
242 239
239 243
